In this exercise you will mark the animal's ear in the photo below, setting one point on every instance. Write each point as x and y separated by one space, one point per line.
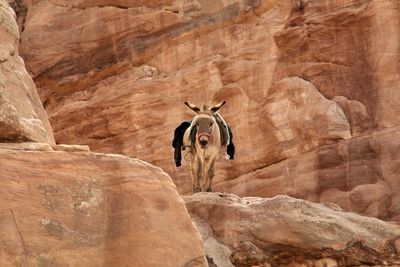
192 107
218 107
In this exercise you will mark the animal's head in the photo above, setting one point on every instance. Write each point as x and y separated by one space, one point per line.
204 123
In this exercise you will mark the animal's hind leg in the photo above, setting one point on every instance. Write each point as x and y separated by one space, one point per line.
196 175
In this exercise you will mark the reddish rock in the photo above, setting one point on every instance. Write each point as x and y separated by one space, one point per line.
303 118
358 174
22 117
283 231
149 79
116 81
63 205
342 48
86 209
311 99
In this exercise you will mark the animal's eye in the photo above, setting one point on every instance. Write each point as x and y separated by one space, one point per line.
211 123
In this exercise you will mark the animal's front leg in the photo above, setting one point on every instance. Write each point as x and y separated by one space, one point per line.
209 176
196 169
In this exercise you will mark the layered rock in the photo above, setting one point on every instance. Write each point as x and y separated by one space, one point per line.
342 48
303 117
283 231
22 117
116 86
116 81
359 174
79 208
62 205
127 91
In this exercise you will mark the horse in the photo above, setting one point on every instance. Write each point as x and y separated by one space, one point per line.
207 133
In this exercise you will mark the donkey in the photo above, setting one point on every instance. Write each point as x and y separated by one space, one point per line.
204 138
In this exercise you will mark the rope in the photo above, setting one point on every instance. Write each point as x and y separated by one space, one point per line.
188 152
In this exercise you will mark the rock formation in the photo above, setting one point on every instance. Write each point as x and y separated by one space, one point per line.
312 100
62 205
117 80
22 117
283 231
360 174
80 208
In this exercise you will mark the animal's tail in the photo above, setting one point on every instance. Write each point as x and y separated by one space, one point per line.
178 141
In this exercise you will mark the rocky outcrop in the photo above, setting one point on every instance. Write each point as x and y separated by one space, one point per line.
118 69
22 117
304 119
114 81
342 48
117 80
62 205
78 208
359 174
283 231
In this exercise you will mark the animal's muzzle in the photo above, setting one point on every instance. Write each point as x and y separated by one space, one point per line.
204 139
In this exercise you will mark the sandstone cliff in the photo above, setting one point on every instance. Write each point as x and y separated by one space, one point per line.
311 97
62 205
310 85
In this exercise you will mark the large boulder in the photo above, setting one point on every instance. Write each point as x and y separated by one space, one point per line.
79 208
284 231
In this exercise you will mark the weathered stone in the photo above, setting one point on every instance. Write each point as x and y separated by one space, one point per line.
71 148
357 115
283 231
86 209
29 146
359 174
158 78
217 253
120 83
304 118
22 117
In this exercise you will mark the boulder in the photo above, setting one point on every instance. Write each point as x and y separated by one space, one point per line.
86 209
284 231
22 117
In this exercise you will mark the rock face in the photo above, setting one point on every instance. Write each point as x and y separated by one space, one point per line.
120 71
61 205
311 88
305 118
22 117
79 208
309 121
340 47
283 231
360 174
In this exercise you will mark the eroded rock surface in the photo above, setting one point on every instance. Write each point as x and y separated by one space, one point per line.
117 80
22 117
359 174
284 231
122 73
61 205
84 209
311 91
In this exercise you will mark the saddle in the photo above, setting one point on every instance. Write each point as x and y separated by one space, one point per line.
226 138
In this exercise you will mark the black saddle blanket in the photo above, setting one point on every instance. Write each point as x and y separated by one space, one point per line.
177 142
